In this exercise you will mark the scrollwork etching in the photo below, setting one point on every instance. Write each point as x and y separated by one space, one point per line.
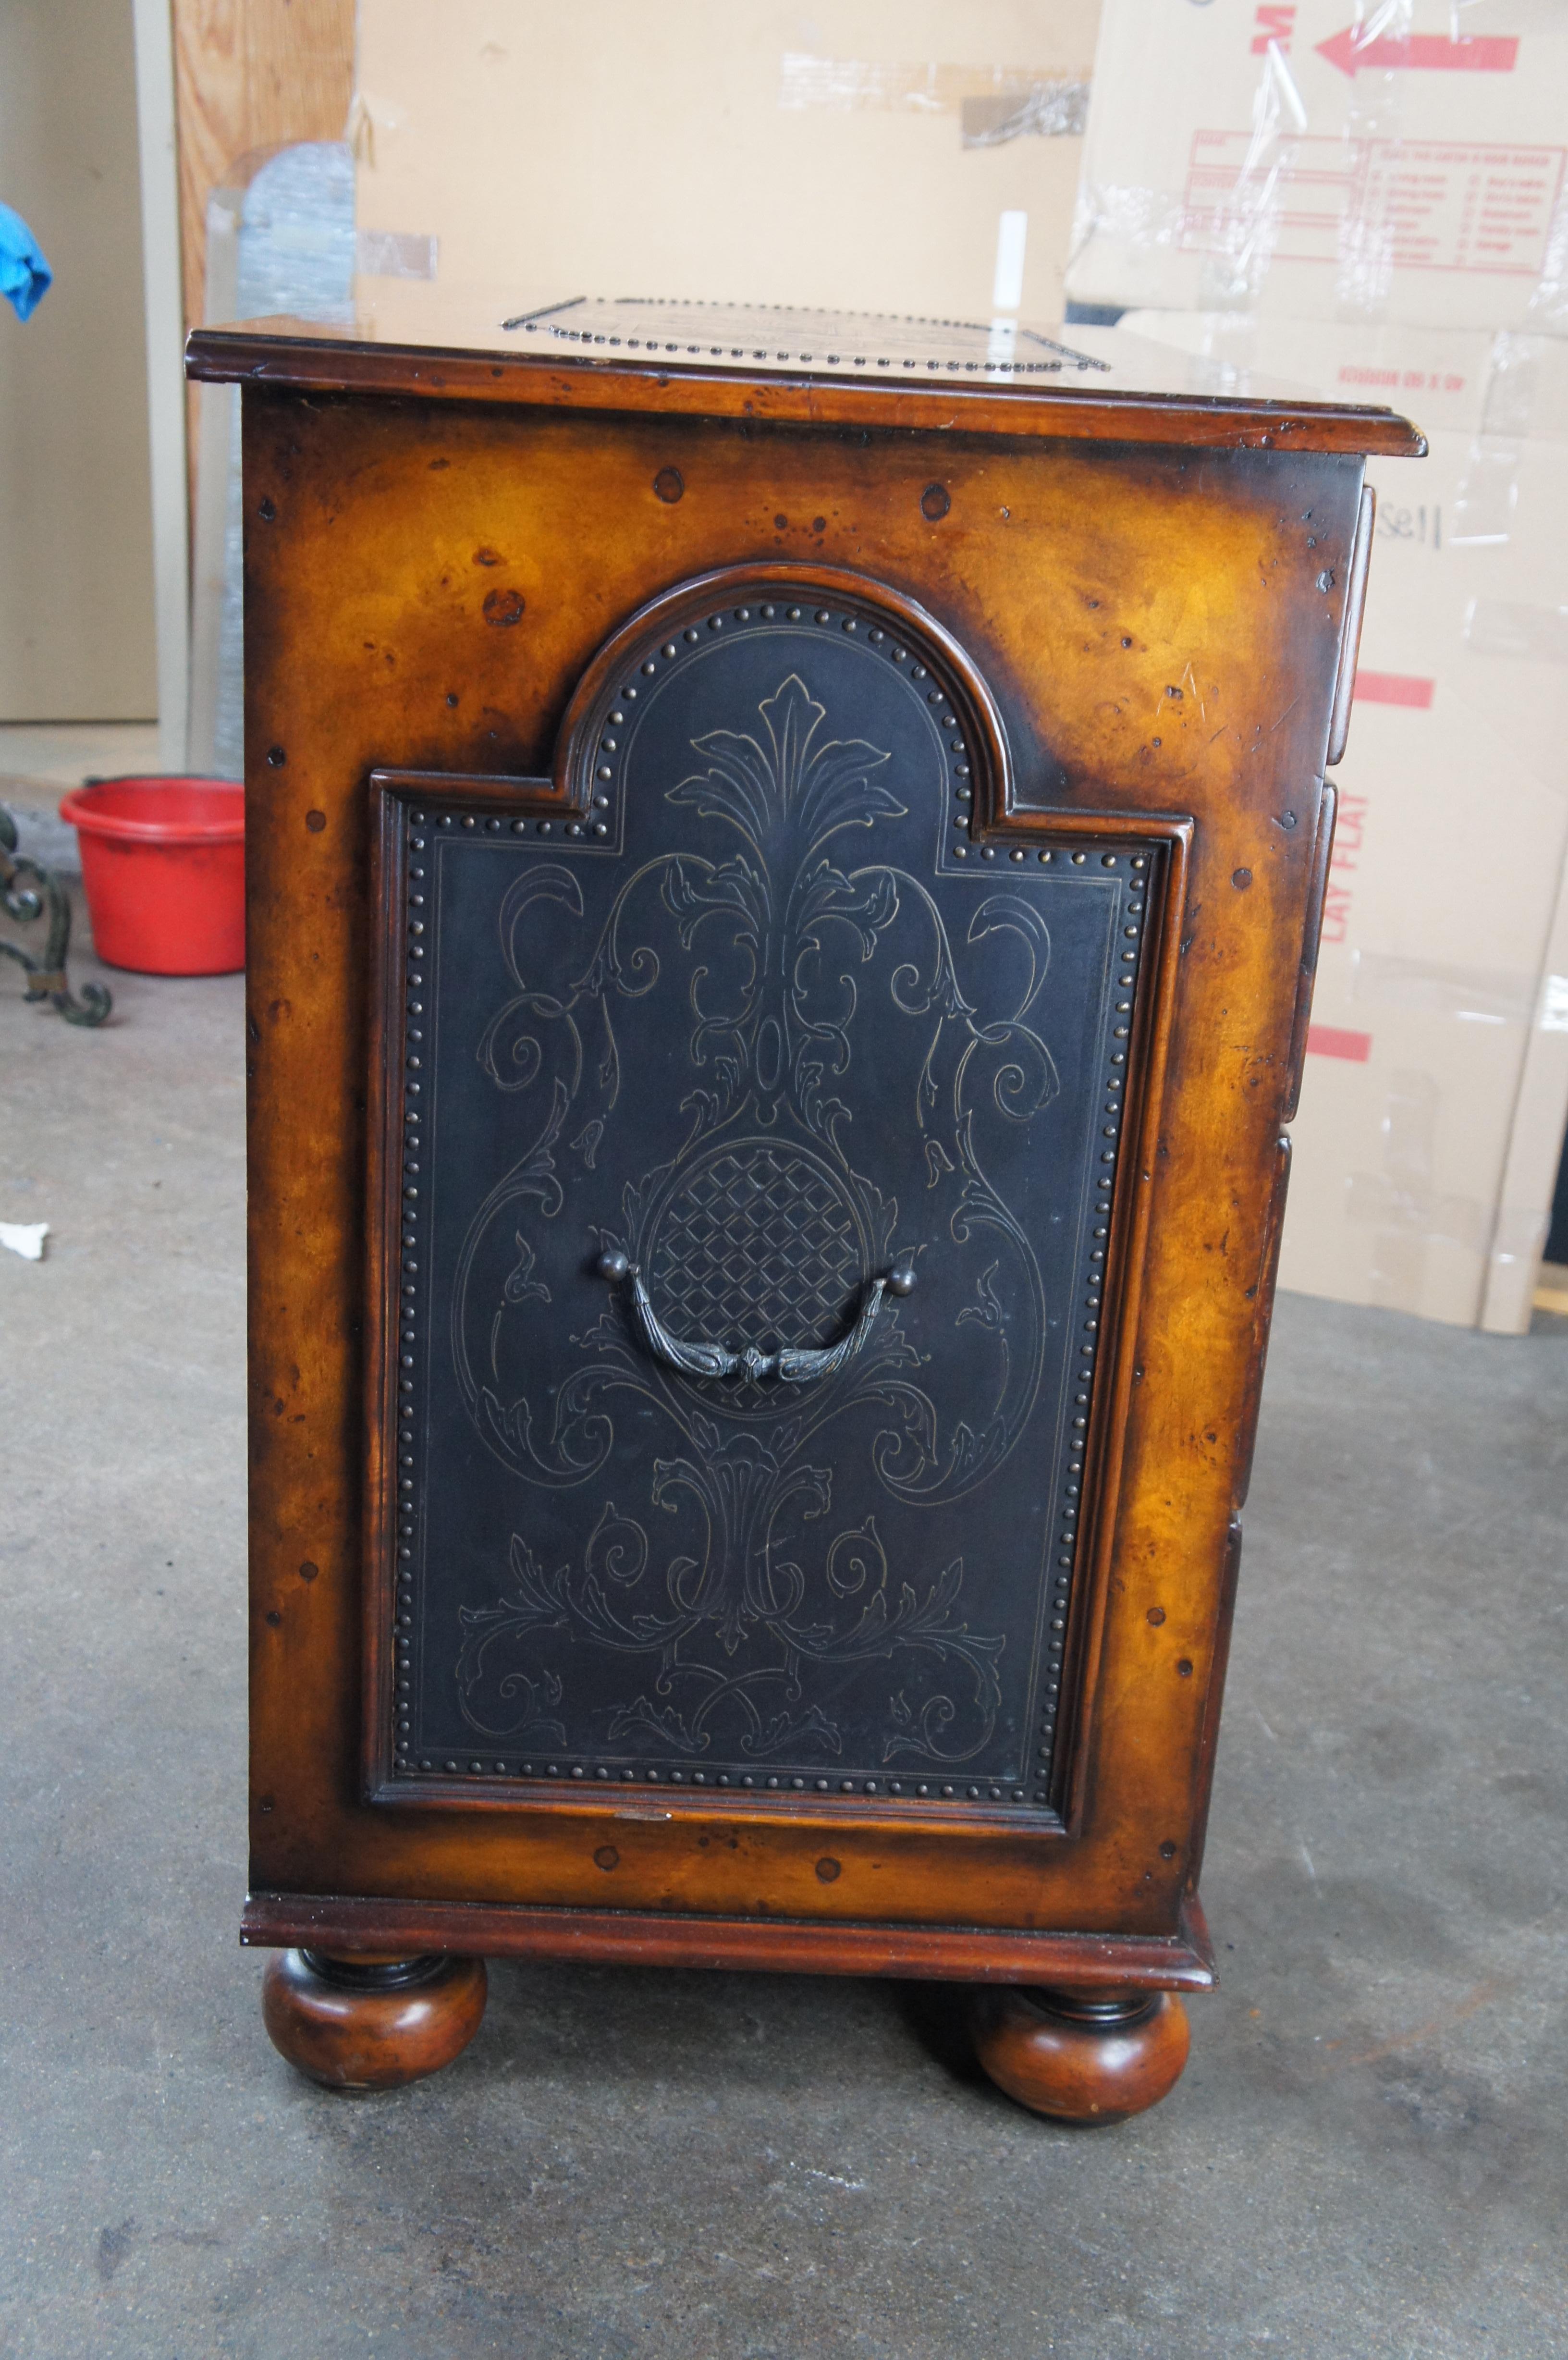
758 1223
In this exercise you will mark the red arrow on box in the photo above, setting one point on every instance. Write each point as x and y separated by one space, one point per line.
1484 53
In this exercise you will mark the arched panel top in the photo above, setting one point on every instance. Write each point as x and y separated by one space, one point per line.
794 605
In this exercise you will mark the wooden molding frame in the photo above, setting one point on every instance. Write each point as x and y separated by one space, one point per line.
346 1923
467 367
999 817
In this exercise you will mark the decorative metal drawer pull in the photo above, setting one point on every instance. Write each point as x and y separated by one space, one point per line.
795 1366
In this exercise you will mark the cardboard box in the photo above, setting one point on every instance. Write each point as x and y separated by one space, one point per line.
1324 161
724 153
1444 891
1436 1091
864 158
1536 1146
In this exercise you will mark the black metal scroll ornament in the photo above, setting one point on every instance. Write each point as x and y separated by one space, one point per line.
26 891
794 1366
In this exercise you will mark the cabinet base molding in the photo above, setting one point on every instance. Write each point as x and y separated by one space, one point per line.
1088 2057
360 2024
357 1926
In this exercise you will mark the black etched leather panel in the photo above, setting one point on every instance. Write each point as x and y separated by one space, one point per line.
766 1027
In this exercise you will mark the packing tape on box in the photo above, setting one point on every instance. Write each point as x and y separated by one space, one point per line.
1231 216
1401 1205
1519 1235
1487 498
1524 398
1238 239
994 103
1144 217
1422 1215
1548 307
396 253
1362 182
1514 374
1243 228
1474 995
1506 626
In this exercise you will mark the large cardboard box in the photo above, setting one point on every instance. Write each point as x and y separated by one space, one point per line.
912 156
880 157
866 156
1436 1090
1329 160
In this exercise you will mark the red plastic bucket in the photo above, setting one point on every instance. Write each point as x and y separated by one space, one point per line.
163 868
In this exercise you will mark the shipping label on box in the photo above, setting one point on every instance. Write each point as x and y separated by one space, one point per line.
1322 162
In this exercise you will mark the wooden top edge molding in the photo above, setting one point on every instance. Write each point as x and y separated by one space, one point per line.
1123 403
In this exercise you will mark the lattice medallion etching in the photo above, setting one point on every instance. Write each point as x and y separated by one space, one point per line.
757 1239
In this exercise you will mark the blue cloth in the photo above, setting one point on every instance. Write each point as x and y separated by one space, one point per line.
24 275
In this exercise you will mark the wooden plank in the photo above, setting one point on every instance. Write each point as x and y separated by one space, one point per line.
213 121
299 69
251 76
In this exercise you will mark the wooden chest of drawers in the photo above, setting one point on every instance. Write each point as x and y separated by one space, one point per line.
782 900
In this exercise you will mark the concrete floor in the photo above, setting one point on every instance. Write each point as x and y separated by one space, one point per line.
1366 2156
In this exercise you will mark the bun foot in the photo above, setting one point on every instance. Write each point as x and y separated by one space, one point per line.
357 2025
1082 2057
